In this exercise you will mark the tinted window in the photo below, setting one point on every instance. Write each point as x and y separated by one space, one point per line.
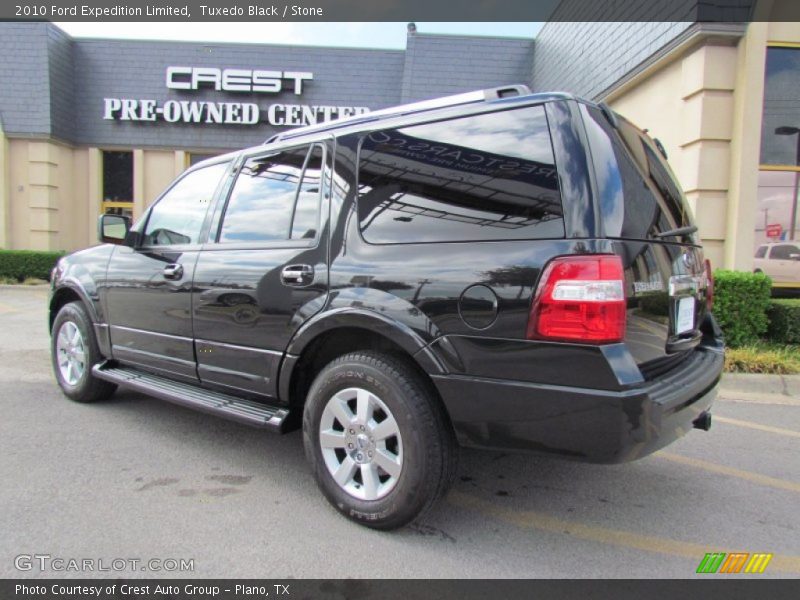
487 177
306 214
761 252
177 217
262 207
783 252
639 193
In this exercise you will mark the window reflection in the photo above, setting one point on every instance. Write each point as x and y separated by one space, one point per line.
269 202
781 113
777 231
177 217
476 178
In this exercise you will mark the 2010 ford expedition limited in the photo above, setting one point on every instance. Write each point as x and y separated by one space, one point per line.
496 269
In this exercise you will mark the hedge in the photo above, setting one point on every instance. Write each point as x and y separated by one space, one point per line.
741 301
784 321
22 264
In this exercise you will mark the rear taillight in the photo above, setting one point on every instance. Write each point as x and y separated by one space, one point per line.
709 285
580 298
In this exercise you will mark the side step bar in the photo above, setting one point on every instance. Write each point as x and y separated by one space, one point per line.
215 403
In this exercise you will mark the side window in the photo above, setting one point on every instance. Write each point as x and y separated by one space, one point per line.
275 197
783 252
485 177
177 217
761 252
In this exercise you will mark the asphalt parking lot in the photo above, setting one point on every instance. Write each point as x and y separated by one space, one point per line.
136 478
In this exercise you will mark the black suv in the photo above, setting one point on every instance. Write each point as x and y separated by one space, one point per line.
496 269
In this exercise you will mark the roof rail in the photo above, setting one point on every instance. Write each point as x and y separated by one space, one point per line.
506 91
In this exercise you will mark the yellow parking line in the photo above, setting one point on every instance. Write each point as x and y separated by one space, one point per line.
759 426
535 520
733 472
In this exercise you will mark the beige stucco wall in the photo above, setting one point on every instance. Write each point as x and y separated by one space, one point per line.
47 202
51 193
159 172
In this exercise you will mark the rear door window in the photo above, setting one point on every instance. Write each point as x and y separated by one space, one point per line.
276 197
484 177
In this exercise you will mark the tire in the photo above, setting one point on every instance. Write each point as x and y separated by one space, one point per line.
77 383
400 401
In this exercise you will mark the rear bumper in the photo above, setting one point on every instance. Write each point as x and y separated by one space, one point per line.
584 424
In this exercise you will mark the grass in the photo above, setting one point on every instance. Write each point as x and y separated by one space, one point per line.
764 357
26 281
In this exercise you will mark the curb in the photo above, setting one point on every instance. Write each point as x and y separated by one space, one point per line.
763 389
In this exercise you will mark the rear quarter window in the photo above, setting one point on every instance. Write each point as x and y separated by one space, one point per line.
483 177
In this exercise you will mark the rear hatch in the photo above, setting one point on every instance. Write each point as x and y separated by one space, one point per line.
644 212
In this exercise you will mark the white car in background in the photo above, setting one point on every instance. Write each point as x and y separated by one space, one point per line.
779 260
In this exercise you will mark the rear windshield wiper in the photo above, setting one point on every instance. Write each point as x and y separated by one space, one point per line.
676 232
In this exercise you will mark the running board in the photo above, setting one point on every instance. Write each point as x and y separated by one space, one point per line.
208 401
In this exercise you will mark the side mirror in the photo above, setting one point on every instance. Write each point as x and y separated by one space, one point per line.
113 229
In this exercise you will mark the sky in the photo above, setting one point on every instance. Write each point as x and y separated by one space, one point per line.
360 35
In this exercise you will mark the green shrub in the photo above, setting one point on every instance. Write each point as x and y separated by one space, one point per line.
741 301
784 321
23 264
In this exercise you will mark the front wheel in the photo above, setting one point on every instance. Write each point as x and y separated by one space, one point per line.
378 440
74 352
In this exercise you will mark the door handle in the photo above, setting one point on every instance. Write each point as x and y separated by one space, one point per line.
173 271
297 275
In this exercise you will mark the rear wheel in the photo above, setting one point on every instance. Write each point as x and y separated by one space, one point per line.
74 352
381 448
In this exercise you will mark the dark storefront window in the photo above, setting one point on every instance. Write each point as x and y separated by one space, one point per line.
777 230
118 183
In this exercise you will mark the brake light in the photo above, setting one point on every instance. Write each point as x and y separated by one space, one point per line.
580 298
709 285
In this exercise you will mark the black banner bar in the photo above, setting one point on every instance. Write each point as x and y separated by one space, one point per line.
727 588
405 10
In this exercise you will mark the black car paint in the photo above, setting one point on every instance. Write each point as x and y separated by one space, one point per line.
231 324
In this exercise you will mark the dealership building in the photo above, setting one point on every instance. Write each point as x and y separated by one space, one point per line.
98 125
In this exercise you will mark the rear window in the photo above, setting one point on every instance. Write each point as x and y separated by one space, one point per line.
485 177
761 252
639 194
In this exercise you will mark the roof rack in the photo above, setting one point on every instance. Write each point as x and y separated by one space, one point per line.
506 91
